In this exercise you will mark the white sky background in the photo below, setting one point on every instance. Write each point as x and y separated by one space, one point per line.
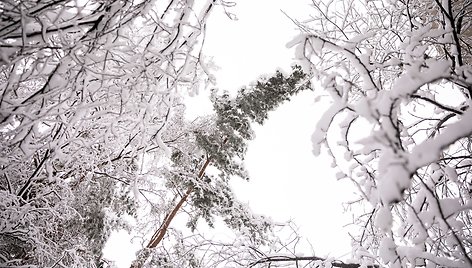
287 181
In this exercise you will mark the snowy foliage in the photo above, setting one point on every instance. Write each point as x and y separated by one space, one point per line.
401 69
86 90
92 129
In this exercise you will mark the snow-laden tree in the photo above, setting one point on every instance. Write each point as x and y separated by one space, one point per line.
401 69
86 90
91 115
217 142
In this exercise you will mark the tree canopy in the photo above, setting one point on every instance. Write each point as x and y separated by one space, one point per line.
402 68
92 130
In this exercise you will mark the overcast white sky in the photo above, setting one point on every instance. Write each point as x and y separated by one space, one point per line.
287 181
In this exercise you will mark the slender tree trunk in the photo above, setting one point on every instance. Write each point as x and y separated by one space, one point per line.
159 234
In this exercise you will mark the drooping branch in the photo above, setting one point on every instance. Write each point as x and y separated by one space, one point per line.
436 103
335 263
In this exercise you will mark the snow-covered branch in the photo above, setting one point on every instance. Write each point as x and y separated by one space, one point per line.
404 78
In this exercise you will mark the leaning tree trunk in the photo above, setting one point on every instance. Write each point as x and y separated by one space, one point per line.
161 231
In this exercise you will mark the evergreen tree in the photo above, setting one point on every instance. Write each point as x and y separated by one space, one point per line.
234 115
230 134
221 141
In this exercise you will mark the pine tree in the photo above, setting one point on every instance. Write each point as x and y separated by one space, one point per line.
233 117
229 137
222 141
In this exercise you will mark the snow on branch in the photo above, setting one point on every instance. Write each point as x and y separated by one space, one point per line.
89 91
398 68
